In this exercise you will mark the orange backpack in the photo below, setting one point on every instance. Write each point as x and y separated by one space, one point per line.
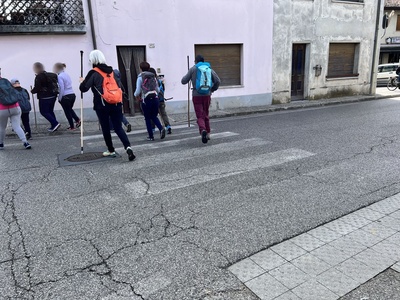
112 93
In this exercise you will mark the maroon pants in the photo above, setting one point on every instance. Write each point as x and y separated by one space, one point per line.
202 107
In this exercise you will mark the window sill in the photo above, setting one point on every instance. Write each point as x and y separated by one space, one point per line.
341 78
348 2
231 87
42 29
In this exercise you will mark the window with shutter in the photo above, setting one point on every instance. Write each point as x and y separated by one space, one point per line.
225 59
342 60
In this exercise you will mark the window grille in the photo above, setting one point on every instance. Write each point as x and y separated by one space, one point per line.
25 15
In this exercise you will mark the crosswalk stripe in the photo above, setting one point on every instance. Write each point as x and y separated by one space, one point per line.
134 132
173 181
187 154
166 143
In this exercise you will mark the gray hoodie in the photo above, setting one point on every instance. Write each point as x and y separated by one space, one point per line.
192 76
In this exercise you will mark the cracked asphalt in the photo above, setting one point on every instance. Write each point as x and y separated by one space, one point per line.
168 225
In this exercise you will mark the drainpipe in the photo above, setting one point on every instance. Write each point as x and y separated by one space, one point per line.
372 88
90 9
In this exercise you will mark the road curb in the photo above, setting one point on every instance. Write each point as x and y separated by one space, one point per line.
272 109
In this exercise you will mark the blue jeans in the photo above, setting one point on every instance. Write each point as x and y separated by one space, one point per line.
150 111
46 108
113 113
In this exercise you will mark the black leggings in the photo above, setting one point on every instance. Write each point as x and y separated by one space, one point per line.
113 113
25 122
67 102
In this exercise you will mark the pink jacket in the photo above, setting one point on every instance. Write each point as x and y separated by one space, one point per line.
4 107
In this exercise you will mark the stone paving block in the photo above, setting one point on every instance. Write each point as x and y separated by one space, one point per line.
331 255
288 296
311 264
387 249
374 260
348 245
355 220
246 270
289 275
396 214
268 259
364 238
385 207
325 234
288 250
357 270
379 230
394 239
340 227
337 282
390 222
369 214
393 201
307 242
313 290
266 287
396 267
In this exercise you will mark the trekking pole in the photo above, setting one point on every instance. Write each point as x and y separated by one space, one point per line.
81 105
188 65
34 110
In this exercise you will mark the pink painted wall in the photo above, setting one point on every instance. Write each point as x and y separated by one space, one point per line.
174 26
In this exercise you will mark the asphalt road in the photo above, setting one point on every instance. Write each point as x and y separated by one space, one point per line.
168 225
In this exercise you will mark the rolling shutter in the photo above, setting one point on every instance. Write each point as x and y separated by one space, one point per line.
341 60
225 60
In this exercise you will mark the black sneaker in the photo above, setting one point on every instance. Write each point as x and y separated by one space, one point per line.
131 156
1 146
169 130
128 128
162 133
27 146
204 137
28 136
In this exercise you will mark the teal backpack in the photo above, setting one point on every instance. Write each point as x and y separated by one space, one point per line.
8 94
204 78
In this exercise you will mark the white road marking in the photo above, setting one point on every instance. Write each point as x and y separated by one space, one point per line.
173 181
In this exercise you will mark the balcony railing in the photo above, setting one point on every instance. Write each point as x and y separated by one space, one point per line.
41 16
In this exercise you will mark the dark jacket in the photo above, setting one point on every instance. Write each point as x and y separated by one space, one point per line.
44 87
94 81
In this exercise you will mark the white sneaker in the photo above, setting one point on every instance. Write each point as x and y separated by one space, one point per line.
109 154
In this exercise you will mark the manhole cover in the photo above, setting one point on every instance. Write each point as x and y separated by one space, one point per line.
73 159
84 157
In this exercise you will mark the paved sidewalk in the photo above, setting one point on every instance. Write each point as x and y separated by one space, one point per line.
329 261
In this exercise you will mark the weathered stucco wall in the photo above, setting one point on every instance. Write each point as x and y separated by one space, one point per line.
317 23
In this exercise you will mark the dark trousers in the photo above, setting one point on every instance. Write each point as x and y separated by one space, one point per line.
113 113
46 108
124 121
25 122
150 111
67 102
202 107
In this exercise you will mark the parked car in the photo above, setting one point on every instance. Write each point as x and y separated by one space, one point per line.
385 72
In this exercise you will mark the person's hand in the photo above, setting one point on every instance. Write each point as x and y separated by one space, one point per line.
81 79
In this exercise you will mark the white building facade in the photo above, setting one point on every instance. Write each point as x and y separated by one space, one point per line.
235 36
390 35
324 48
